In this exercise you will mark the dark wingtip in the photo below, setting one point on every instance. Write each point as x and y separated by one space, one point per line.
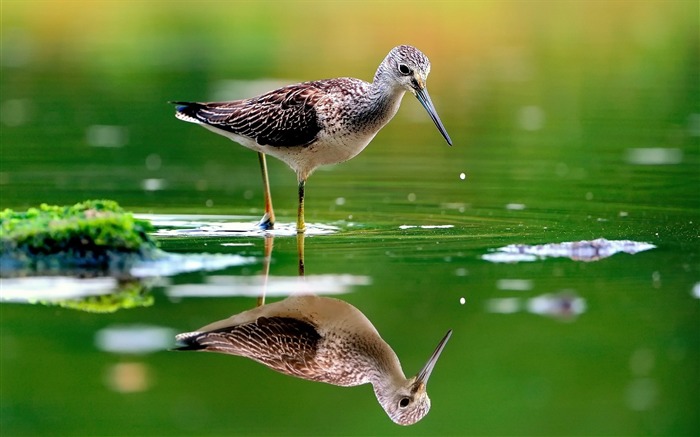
188 347
181 106
187 342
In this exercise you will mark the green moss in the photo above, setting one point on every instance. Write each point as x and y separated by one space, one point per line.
131 294
91 234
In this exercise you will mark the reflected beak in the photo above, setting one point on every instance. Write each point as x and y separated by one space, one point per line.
424 99
424 374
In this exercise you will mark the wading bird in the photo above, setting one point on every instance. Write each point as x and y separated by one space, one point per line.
317 123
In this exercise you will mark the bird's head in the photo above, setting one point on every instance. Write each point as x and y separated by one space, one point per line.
408 68
408 402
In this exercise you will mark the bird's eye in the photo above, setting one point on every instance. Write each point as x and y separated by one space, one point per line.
403 403
403 69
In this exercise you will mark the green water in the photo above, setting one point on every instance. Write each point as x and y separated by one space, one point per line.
569 123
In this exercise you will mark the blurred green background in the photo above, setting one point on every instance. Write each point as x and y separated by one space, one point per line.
571 120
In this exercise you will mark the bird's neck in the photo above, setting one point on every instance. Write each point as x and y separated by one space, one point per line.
387 372
382 104
387 386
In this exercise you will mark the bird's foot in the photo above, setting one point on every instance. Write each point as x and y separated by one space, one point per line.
267 223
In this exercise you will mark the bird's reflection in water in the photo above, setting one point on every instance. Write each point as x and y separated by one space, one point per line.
267 258
320 339
300 252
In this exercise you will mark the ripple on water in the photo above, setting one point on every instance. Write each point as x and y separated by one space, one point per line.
586 250
225 226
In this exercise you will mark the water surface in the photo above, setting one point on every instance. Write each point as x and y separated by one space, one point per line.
563 131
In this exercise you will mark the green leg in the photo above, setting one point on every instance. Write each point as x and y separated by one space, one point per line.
301 225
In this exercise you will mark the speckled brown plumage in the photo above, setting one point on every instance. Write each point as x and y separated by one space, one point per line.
281 118
320 122
320 339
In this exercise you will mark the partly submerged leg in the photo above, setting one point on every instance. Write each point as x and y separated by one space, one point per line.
268 220
301 225
269 243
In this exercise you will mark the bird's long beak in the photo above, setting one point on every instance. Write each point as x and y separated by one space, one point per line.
424 374
424 99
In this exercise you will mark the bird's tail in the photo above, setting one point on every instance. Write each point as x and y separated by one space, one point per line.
188 111
189 341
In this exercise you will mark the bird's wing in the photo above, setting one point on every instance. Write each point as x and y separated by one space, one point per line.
285 344
285 117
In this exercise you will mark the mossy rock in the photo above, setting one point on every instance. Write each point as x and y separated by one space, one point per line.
93 235
130 294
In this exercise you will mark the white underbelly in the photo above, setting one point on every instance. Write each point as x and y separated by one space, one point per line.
326 151
305 159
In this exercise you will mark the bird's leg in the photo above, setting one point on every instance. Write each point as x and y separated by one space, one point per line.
301 225
300 251
269 242
268 220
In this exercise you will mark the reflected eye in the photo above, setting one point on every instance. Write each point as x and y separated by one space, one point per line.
403 403
403 69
